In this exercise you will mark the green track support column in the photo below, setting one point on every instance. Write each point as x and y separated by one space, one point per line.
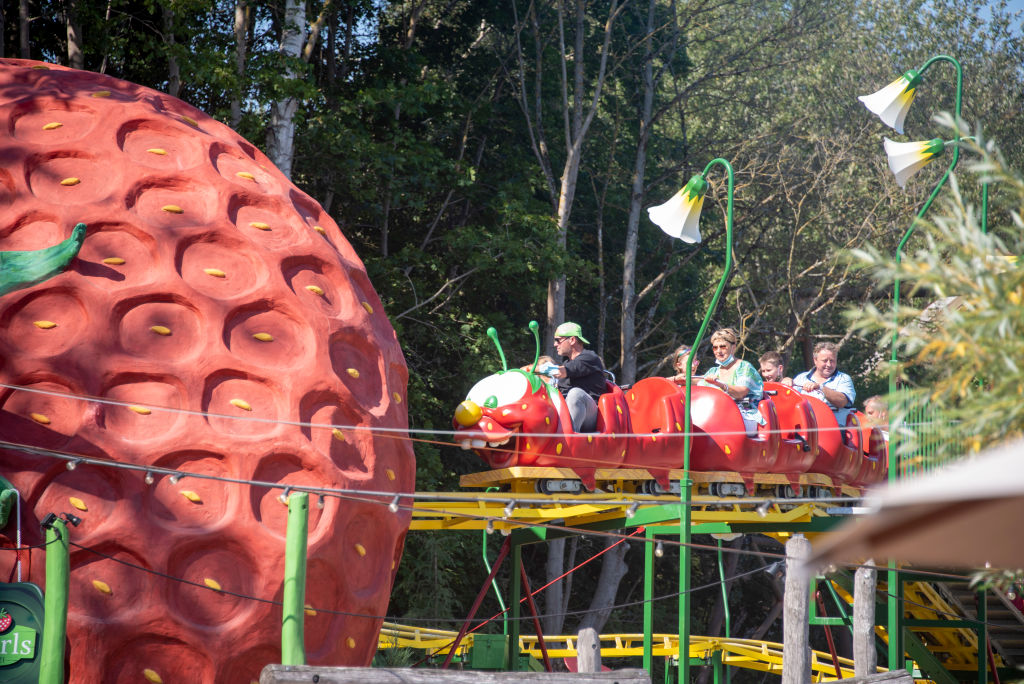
649 601
293 614
55 604
494 582
894 615
685 535
983 637
515 595
725 609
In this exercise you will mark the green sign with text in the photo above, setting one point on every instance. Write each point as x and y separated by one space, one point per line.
16 644
21 629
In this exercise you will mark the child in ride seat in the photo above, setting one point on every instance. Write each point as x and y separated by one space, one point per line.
680 356
877 413
545 369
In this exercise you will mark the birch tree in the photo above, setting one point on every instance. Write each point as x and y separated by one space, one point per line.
728 45
23 22
76 51
576 107
657 45
281 128
242 20
295 49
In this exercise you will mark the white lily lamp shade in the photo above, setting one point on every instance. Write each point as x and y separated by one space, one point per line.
906 159
892 102
680 216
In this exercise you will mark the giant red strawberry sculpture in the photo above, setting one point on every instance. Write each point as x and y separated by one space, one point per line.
216 322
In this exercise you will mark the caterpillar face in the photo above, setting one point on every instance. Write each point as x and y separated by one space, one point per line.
505 415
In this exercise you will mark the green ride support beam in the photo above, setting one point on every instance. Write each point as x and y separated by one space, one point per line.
725 606
982 630
494 582
684 572
293 613
515 594
55 604
649 600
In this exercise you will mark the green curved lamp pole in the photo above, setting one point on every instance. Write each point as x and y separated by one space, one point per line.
891 105
680 218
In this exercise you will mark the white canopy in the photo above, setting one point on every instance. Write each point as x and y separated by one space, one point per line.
964 515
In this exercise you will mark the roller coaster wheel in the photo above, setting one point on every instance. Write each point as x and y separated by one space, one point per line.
786 492
727 489
550 486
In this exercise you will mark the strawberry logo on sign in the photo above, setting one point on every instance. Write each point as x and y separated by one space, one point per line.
5 620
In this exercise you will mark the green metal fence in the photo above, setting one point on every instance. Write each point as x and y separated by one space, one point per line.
922 440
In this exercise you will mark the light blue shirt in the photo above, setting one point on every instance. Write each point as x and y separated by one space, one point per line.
840 382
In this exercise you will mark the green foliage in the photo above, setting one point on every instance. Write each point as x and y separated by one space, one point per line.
395 657
960 335
413 138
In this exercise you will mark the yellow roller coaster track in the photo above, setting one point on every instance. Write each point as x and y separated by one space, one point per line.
518 504
746 653
512 503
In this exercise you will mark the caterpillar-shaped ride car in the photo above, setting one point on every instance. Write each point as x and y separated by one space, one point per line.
514 418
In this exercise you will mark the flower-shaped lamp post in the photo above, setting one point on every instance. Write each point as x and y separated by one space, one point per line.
891 104
680 218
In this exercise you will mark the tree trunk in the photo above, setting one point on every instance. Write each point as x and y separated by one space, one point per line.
776 585
106 52
346 51
627 354
281 133
554 620
577 115
76 55
332 45
242 14
574 135
717 621
613 569
23 21
3 27
556 596
173 69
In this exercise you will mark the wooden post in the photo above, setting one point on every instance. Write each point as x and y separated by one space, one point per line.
796 649
588 651
865 657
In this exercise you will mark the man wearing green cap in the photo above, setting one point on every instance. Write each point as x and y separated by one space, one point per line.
581 378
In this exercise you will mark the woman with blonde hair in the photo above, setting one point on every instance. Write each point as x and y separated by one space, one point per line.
736 377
